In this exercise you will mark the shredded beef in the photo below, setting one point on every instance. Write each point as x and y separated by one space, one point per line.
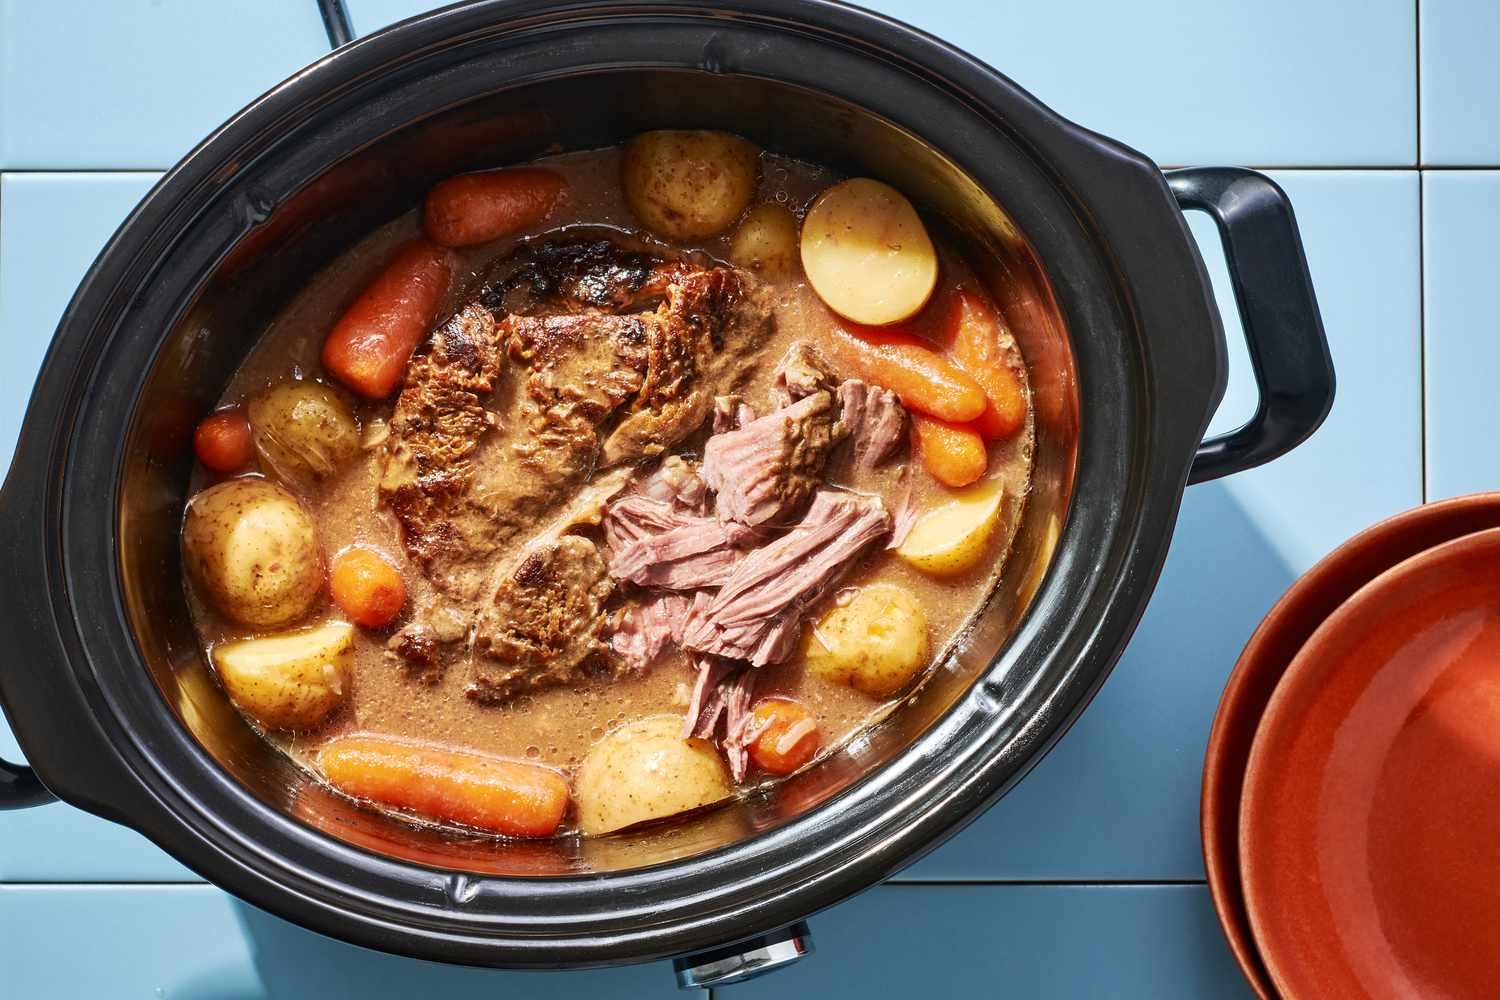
757 615
656 545
645 629
874 421
724 690
801 373
766 469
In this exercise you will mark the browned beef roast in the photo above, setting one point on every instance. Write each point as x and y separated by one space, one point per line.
544 625
501 422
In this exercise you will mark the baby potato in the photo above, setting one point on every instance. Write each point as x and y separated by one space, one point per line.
685 185
766 241
954 537
876 643
303 429
867 254
289 681
645 770
253 550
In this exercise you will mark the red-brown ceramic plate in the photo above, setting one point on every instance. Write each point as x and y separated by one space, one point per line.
1265 659
1371 808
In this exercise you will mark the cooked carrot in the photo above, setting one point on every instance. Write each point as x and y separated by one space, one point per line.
787 736
223 441
366 586
369 346
953 453
972 334
909 367
477 208
491 793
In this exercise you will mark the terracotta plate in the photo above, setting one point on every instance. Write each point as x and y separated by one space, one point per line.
1370 827
1281 634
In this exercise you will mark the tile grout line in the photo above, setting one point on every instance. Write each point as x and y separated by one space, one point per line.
1421 262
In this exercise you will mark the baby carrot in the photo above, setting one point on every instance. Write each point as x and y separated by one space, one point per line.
366 586
909 367
476 208
972 335
787 738
491 793
368 347
223 441
953 453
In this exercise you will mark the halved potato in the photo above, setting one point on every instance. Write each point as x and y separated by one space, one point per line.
876 643
685 185
766 241
955 536
253 550
645 770
289 681
867 254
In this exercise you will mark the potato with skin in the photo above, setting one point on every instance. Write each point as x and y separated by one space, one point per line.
867 254
686 185
291 681
645 770
954 536
303 429
253 550
876 643
766 241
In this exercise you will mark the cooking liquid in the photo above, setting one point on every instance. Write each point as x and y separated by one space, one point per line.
557 726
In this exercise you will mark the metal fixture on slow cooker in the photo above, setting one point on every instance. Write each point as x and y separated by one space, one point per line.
1081 238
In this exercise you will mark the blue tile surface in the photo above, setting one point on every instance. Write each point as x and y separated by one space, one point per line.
51 226
193 942
1277 82
1118 798
1460 81
111 87
135 84
1160 942
1460 218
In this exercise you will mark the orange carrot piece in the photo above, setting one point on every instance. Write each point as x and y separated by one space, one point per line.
953 453
366 586
368 347
223 442
972 335
909 367
478 790
476 208
787 738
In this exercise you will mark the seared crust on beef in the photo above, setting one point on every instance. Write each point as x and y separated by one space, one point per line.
544 625
436 428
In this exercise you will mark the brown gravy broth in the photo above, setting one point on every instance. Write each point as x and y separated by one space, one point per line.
558 726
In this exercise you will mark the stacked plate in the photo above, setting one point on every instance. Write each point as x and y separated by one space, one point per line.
1351 790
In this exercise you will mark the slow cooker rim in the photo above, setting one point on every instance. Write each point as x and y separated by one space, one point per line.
1052 726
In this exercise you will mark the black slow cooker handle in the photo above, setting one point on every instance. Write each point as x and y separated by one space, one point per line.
1283 329
20 787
